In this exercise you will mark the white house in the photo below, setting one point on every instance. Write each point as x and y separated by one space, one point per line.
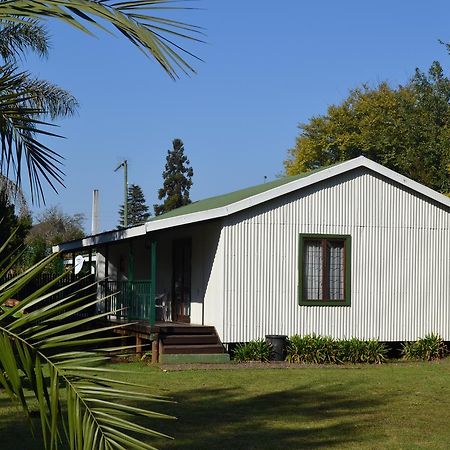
350 250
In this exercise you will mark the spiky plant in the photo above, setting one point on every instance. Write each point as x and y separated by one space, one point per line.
47 350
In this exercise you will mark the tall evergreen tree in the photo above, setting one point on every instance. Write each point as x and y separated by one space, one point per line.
137 209
177 178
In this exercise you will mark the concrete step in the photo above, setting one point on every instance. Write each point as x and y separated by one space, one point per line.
193 349
205 358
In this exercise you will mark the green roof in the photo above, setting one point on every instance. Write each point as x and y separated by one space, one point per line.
232 197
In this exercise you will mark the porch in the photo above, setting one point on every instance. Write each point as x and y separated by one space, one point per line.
148 320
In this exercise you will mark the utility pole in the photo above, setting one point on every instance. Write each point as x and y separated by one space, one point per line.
124 164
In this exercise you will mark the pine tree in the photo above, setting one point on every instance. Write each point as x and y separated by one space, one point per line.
137 209
177 178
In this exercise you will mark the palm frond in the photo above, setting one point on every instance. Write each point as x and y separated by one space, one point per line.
36 352
16 38
20 124
136 20
53 100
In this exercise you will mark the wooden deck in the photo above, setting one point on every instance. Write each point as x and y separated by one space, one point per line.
172 337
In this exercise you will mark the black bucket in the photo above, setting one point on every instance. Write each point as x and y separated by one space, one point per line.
277 346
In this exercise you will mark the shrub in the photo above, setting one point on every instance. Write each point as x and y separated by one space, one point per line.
355 351
324 350
311 349
428 348
257 350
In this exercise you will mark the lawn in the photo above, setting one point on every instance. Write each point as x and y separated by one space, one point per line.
397 405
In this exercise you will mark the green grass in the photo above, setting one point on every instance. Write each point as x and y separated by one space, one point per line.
404 405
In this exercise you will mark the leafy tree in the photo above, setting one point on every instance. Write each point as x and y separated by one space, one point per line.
21 124
53 227
177 178
406 129
136 207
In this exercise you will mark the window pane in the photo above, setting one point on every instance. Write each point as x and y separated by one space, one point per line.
336 270
313 263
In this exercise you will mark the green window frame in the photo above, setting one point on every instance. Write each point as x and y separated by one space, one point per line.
324 242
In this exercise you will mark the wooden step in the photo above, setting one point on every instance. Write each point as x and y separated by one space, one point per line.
169 330
188 339
193 349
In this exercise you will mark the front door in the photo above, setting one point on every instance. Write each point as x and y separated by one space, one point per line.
181 288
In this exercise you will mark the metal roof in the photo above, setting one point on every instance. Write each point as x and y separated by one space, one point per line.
227 204
220 201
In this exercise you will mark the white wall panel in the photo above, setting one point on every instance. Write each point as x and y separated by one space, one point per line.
400 262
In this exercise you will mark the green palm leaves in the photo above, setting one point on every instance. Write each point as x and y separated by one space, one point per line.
49 348
136 20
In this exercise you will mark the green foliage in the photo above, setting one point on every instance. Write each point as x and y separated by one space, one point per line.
312 349
137 209
324 350
406 129
428 348
362 351
10 221
53 227
51 348
177 178
257 350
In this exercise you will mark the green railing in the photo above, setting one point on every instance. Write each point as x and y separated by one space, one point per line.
134 299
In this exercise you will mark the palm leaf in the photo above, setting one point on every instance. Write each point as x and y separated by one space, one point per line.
18 37
36 352
20 123
136 20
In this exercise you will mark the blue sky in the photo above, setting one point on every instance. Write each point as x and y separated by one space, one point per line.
268 66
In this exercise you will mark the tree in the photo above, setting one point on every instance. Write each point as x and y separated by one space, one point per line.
52 227
406 129
137 209
21 125
177 178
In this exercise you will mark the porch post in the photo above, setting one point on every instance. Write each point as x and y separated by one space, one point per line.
152 293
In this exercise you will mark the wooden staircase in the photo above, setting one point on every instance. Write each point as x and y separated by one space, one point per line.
177 342
189 340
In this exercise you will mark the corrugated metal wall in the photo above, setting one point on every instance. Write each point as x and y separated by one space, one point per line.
400 262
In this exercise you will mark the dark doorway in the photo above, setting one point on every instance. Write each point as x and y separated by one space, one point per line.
181 287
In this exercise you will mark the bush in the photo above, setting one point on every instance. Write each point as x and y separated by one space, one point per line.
311 349
428 348
324 350
257 350
356 351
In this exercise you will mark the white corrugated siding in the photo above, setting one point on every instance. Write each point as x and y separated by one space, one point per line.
400 286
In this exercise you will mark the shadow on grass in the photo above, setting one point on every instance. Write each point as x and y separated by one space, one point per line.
15 431
306 417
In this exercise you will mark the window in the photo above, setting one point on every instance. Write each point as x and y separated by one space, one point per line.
324 270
